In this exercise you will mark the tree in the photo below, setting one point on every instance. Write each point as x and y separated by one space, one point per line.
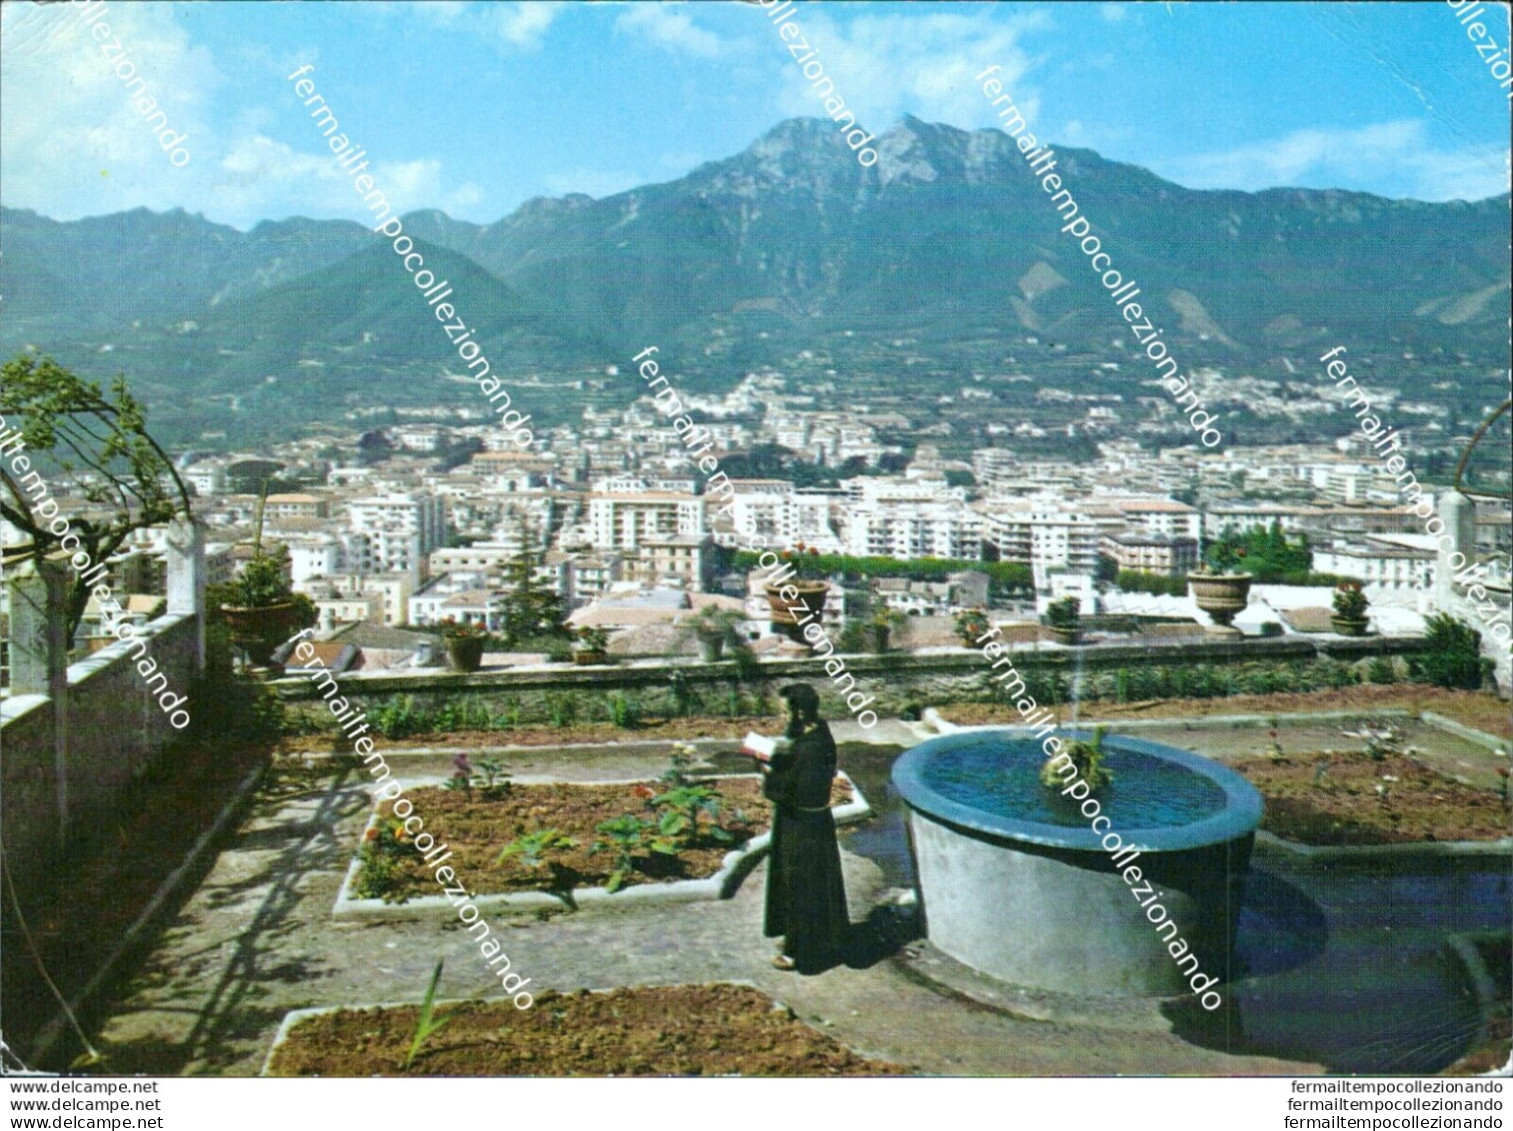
529 609
97 442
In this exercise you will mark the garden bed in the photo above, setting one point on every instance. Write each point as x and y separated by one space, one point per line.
714 1030
476 825
1481 710
1348 799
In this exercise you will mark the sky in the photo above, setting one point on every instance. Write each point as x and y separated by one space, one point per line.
475 107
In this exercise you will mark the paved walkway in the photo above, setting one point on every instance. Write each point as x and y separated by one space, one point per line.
257 939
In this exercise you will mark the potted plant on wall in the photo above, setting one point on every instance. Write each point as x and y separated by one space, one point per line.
260 606
465 644
714 628
971 626
1064 616
799 576
1220 586
262 610
591 646
1349 617
882 625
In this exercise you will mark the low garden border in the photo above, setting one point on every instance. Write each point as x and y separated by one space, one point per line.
737 865
295 1016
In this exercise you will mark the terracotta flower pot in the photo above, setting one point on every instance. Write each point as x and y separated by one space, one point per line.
1065 634
259 629
586 656
711 648
1348 626
1221 595
465 653
808 604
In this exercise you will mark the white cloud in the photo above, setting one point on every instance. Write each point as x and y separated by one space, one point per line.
669 27
887 65
66 106
443 13
1398 151
525 24
260 176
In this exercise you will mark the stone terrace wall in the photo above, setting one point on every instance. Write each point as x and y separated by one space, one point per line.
115 726
897 681
28 784
113 731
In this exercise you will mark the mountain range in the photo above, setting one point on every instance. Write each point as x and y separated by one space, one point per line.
947 239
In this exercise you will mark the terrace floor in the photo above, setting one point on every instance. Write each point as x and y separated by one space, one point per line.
256 939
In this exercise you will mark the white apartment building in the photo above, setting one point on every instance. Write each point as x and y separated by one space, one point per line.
626 521
481 557
1049 534
398 532
1158 516
1391 564
774 511
911 528
320 556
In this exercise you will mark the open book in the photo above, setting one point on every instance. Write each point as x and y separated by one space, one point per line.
762 748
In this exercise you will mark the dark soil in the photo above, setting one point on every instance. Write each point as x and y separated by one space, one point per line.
1482 710
1344 807
714 1030
476 826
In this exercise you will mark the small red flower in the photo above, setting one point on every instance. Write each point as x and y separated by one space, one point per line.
371 834
643 791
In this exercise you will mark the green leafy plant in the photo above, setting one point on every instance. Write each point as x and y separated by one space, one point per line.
714 623
428 1022
971 625
494 774
591 639
1452 655
626 835
1063 613
685 700
120 478
624 710
561 708
261 583
533 847
690 814
1349 601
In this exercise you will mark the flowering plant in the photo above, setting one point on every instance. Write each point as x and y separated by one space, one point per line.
454 629
805 561
971 624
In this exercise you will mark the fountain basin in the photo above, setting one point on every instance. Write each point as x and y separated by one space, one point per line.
1014 883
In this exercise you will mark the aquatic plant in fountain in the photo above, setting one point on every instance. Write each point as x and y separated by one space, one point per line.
1087 759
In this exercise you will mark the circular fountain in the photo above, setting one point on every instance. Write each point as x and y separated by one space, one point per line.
1015 884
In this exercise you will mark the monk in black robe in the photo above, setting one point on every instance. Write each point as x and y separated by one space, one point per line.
806 898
